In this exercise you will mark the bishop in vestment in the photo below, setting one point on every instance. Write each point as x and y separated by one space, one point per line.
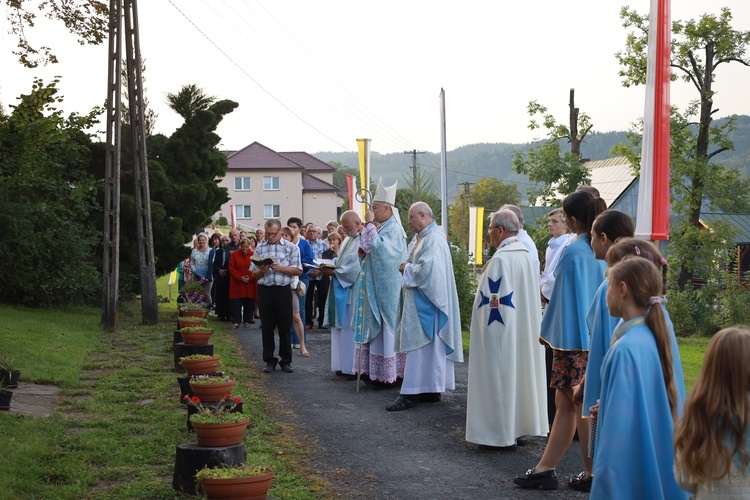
429 318
507 395
382 246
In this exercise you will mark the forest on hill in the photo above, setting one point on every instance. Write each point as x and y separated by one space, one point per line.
475 161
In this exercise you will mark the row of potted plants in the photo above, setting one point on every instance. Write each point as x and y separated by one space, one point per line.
215 415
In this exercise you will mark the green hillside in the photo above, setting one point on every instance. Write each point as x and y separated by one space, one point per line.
475 161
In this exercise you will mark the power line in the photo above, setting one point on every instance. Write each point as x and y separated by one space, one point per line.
255 81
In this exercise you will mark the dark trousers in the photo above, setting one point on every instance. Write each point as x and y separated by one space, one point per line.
275 304
242 310
322 287
222 296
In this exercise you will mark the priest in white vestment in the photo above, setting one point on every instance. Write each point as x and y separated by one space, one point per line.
429 320
343 278
507 394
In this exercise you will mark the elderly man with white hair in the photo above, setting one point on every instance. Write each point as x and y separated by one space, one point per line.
507 395
429 320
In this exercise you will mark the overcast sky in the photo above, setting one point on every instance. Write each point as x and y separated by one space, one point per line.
315 76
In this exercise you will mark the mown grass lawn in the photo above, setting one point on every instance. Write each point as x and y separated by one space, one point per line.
119 417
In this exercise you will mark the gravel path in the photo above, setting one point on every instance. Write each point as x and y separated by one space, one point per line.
367 452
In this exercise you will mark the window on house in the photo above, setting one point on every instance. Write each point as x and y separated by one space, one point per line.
244 211
271 183
242 183
272 211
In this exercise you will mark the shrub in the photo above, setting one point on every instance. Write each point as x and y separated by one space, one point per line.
466 284
222 221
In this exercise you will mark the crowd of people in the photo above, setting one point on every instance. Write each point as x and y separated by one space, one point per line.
581 346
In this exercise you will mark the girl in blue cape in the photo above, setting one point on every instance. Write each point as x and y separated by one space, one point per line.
577 276
634 455
712 444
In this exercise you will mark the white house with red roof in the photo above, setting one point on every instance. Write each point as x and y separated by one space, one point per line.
264 184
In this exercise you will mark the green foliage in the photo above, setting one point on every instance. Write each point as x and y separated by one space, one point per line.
183 173
723 302
691 314
86 19
222 221
490 193
466 284
47 196
545 163
190 100
733 307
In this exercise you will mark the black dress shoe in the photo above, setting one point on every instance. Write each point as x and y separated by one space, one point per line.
580 482
270 366
546 480
286 367
401 403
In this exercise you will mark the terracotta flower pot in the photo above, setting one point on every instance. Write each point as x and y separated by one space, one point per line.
196 313
254 487
188 321
212 393
196 337
202 366
220 434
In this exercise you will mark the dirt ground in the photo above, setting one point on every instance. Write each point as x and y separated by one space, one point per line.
367 452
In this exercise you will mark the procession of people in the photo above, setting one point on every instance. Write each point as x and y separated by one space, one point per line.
601 342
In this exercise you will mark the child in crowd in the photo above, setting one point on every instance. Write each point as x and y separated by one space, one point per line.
711 439
634 456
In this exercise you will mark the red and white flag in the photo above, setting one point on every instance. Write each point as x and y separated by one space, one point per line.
652 217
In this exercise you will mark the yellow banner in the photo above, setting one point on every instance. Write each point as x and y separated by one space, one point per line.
476 233
363 147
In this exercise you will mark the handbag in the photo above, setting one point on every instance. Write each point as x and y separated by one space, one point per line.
301 289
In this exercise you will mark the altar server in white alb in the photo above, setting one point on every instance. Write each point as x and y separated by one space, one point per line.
343 278
429 319
507 394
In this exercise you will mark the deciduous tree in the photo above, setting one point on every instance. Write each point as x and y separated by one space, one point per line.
545 163
699 47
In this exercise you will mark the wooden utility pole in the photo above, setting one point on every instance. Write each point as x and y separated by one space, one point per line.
145 238
414 173
111 261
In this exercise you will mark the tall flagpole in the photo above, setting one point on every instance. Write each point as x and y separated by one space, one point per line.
443 166
652 217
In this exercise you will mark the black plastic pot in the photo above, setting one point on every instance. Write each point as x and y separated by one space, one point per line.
9 379
5 397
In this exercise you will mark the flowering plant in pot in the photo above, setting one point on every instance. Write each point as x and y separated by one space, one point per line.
239 481
213 412
196 334
192 309
218 425
200 364
211 389
191 293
